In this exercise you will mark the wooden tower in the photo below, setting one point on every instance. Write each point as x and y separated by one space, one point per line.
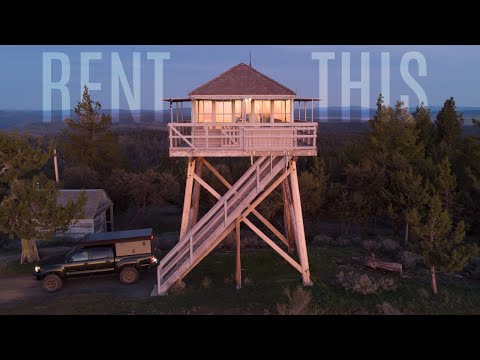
240 113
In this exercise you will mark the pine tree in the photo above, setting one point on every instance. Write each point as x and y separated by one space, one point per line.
30 212
313 183
89 140
445 183
394 131
407 193
448 129
443 248
28 207
425 127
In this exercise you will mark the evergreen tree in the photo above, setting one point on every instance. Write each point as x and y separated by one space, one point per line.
445 183
448 129
425 127
394 131
89 140
442 247
313 184
28 203
407 193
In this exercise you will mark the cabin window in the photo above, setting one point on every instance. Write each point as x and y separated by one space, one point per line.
204 111
237 110
281 111
223 111
262 111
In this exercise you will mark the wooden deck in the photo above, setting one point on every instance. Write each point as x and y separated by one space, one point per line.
237 140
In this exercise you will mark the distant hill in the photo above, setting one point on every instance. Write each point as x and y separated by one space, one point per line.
32 120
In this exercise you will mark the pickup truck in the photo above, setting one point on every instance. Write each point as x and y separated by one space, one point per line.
126 253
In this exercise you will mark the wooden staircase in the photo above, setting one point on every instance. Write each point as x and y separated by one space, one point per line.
217 223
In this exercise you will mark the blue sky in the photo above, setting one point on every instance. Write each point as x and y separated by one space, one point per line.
451 71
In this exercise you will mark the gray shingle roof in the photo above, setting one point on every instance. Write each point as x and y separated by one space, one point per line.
242 80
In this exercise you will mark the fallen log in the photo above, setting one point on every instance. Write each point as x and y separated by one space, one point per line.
384 265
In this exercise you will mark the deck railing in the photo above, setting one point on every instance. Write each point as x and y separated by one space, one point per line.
243 137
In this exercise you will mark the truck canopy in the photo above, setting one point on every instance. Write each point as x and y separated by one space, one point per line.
114 237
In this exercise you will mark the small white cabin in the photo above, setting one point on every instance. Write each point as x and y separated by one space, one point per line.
98 212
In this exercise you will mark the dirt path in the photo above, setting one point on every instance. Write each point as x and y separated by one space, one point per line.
20 288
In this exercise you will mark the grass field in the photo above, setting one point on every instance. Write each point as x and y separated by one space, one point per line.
210 290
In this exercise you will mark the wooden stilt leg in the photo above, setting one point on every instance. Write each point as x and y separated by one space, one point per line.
188 198
300 231
238 268
196 195
287 215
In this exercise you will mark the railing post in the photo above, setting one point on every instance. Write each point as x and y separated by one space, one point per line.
191 249
225 212
206 134
258 178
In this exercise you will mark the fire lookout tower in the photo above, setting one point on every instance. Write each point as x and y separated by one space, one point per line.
240 113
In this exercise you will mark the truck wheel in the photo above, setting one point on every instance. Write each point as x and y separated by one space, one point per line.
52 283
129 275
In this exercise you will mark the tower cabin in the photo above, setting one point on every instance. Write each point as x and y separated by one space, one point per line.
240 113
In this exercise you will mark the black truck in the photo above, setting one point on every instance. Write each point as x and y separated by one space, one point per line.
124 252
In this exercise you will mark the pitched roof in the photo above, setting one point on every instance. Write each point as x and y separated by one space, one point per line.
95 197
242 80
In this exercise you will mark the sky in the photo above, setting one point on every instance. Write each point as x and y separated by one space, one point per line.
448 71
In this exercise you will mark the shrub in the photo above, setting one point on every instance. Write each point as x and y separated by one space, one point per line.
389 245
343 241
248 281
206 282
229 280
409 260
364 284
177 288
322 239
298 302
356 239
386 308
370 245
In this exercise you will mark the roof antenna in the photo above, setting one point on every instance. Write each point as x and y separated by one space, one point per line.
250 58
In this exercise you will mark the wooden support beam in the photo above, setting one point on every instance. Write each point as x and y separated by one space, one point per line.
254 211
300 231
264 195
288 215
206 186
270 226
238 267
217 174
273 245
196 194
188 198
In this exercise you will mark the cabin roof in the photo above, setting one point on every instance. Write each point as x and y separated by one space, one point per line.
95 198
242 80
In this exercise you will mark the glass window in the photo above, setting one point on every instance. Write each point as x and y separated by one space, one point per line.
204 111
237 110
80 256
223 111
262 109
100 253
281 111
